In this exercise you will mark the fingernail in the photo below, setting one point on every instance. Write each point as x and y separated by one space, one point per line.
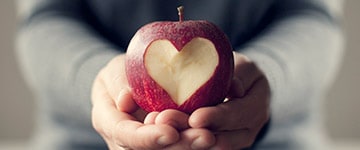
199 143
163 140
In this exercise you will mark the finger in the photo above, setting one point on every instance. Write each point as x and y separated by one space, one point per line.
122 128
139 136
124 101
206 117
236 112
150 118
194 138
139 114
245 74
240 113
174 118
237 139
114 78
104 113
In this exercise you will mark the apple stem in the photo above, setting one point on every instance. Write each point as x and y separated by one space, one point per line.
181 13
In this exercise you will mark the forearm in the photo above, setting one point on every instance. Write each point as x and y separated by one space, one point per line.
61 55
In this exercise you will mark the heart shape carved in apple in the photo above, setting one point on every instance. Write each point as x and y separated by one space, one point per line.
181 72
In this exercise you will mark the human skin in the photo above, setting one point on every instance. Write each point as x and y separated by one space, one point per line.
118 119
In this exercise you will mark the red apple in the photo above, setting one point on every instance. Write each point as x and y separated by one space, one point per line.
179 65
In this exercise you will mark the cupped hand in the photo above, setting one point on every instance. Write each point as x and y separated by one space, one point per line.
237 121
118 119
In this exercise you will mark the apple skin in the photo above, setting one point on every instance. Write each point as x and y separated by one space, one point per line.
152 97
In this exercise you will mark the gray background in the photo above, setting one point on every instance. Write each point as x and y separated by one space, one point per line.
17 104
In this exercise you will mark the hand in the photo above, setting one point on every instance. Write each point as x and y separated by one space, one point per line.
123 125
118 119
237 122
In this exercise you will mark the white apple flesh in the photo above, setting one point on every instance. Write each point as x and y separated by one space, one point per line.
181 73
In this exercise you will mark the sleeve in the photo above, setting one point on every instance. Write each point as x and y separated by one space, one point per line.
60 54
299 51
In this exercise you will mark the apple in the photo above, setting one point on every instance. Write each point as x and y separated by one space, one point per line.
181 65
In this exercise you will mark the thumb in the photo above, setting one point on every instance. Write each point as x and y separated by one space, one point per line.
237 88
245 75
124 101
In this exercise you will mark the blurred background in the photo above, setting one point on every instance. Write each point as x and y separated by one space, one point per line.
341 108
